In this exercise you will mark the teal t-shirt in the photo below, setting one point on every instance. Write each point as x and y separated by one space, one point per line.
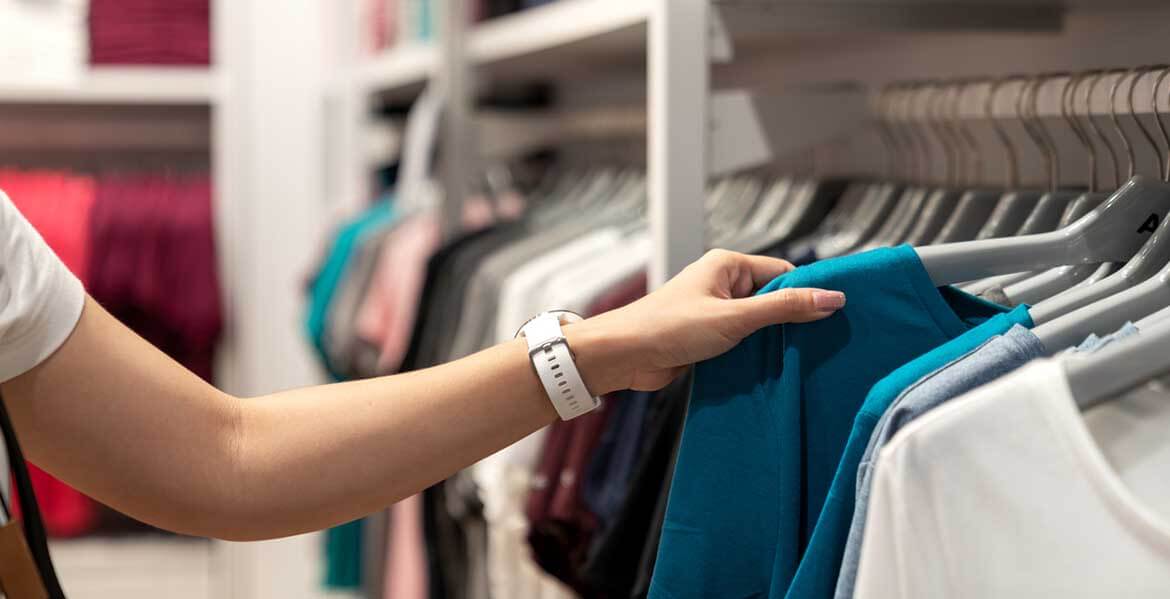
769 420
820 566
324 287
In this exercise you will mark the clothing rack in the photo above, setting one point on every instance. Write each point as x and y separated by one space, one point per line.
782 83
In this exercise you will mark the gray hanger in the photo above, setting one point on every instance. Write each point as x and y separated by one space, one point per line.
1112 233
1162 315
899 221
1151 258
941 202
863 206
975 206
1096 378
876 207
1108 314
1015 206
1061 278
1051 206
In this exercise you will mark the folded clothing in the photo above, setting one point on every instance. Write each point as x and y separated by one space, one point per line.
173 32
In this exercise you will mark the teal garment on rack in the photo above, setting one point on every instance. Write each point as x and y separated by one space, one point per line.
768 422
324 287
343 556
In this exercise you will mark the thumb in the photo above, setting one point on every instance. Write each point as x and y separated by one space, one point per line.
791 305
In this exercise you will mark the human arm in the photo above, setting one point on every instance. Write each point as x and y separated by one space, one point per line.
120 421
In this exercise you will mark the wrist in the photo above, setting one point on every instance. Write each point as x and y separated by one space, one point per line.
603 357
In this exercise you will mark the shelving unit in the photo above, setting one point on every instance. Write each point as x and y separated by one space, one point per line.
537 42
149 86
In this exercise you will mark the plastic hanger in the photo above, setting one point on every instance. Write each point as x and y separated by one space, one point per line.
878 199
913 198
1098 377
1017 204
975 206
1051 206
941 202
1062 278
1153 257
1112 233
877 205
1162 315
807 210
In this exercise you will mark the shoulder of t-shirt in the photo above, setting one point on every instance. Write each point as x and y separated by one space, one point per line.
991 396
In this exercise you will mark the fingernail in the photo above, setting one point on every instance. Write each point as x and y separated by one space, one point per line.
828 301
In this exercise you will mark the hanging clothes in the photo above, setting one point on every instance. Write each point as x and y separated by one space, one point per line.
1041 508
790 394
820 564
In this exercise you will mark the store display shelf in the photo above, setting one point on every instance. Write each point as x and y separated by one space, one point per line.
123 86
555 38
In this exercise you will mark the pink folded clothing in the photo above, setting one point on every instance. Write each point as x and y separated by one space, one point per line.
173 32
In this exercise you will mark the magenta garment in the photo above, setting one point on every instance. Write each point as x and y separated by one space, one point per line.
406 555
153 262
165 32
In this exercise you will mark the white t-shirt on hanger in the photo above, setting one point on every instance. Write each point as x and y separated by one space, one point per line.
1005 492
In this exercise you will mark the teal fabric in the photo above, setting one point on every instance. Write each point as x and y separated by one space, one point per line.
820 566
768 422
324 286
343 556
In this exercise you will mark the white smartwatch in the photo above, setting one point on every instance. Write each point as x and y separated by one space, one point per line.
553 361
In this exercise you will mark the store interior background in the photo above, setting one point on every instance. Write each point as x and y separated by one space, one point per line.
299 104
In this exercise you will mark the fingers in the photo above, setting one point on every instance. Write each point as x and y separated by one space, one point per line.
763 269
790 305
746 273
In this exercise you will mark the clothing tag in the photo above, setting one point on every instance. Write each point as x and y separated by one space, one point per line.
19 578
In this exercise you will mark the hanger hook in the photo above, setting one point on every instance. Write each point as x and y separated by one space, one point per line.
965 132
1012 178
1142 72
888 139
1045 134
1111 151
936 92
950 116
898 120
918 116
1165 70
1124 74
1068 111
1028 88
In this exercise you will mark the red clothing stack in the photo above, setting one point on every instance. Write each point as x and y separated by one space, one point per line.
58 205
171 32
144 247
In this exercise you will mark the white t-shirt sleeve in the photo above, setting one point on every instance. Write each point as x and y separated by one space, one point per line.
40 300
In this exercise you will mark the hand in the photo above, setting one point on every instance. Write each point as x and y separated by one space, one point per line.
701 313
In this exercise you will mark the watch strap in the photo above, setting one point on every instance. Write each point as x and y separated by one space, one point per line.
553 361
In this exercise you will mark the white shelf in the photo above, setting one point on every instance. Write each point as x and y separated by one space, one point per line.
554 38
587 26
124 86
